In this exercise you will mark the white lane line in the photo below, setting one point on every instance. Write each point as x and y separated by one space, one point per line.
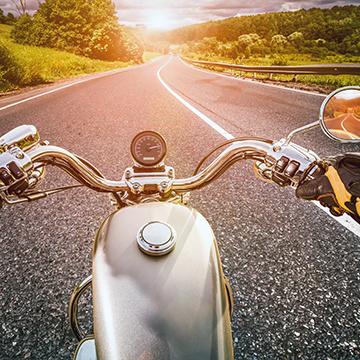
230 77
42 94
198 113
95 76
344 220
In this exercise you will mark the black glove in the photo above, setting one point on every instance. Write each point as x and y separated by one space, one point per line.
336 185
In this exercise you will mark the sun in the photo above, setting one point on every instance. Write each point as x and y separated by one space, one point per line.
159 19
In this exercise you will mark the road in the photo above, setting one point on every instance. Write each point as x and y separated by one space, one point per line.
346 125
293 269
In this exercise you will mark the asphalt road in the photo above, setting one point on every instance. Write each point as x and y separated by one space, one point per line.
294 270
345 125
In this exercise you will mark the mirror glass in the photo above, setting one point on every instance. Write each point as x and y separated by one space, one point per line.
340 116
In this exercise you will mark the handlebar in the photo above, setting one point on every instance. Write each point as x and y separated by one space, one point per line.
256 150
283 165
233 153
48 153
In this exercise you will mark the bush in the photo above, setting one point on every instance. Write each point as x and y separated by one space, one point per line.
279 61
87 27
10 71
22 30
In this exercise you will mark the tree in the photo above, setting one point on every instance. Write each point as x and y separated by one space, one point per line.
297 39
278 43
333 25
20 6
10 18
22 31
87 27
247 42
2 17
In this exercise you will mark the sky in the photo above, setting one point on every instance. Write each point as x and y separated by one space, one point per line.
167 14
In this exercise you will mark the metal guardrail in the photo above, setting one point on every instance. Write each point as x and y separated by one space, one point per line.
336 69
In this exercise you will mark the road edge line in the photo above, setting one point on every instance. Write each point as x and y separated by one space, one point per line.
345 220
91 77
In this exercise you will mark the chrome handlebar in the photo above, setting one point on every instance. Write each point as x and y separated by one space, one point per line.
237 151
283 164
48 153
264 153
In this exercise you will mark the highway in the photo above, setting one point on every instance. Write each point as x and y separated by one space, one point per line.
294 270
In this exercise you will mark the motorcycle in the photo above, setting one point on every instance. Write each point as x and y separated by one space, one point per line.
159 291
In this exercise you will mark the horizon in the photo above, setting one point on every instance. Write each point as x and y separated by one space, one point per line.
167 15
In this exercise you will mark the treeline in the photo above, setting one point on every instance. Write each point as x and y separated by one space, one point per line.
316 31
89 28
6 19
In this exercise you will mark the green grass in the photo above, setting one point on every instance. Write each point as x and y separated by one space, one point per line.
331 81
150 55
45 65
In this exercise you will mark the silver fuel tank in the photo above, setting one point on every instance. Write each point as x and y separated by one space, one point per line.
173 306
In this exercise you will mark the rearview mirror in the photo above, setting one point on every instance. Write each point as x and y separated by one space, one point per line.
24 136
340 114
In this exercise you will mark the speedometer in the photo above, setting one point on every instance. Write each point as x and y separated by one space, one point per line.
148 148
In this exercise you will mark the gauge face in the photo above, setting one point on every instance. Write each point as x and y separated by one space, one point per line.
148 148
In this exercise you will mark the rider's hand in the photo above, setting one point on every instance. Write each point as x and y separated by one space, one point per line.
336 185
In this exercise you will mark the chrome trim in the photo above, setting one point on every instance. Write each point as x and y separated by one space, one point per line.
49 152
162 186
86 349
297 131
73 307
25 137
322 120
134 143
234 152
156 238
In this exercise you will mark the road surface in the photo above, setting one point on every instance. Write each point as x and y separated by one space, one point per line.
346 126
293 269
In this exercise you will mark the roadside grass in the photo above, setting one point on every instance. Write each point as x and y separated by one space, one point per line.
39 65
331 81
150 55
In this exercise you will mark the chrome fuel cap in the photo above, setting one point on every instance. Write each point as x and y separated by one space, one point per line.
156 238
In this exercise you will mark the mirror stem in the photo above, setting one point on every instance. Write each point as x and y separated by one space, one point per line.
303 129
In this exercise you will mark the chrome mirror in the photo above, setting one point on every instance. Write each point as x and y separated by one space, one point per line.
340 114
25 137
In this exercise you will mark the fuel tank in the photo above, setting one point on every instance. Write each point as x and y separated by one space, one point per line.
174 306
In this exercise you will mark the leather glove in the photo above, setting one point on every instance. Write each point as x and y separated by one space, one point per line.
336 184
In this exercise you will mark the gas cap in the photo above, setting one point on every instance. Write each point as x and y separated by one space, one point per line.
156 238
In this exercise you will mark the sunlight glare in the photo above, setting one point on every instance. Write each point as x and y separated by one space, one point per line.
159 19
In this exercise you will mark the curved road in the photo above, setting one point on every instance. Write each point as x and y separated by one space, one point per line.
346 125
294 270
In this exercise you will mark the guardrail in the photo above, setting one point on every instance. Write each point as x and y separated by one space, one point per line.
337 69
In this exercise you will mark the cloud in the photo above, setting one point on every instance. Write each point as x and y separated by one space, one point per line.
179 13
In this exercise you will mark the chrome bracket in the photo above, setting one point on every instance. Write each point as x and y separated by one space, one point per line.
158 181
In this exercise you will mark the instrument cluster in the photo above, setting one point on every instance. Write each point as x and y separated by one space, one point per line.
148 149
